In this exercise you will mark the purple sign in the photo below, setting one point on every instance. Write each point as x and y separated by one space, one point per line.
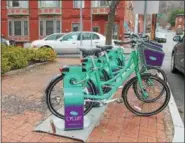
74 117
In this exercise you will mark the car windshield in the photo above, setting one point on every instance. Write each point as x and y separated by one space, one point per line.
54 36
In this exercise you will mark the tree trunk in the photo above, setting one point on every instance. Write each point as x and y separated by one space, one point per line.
111 17
110 24
154 17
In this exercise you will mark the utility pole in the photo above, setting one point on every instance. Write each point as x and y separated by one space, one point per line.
145 17
81 24
136 24
154 20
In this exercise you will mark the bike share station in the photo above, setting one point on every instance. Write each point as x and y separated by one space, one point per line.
76 125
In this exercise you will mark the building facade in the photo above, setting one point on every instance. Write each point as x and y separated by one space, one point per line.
129 19
179 22
25 21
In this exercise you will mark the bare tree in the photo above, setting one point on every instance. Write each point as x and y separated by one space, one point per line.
111 16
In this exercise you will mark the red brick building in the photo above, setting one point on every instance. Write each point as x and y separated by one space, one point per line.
179 22
25 21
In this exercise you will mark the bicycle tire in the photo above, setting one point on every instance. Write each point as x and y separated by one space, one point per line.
145 76
162 91
48 95
164 77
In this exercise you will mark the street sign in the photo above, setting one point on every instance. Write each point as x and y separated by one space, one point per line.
152 7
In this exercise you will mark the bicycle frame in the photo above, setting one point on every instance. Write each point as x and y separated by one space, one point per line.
124 73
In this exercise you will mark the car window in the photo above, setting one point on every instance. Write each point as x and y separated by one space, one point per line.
95 37
86 36
70 37
51 37
58 36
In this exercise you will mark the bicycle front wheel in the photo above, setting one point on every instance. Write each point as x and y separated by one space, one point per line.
140 107
55 97
157 72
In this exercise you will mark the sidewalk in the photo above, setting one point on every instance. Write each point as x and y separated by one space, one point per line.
23 106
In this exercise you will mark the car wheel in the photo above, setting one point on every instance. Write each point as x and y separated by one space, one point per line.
173 69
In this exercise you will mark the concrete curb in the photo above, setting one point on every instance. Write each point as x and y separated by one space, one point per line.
24 69
177 121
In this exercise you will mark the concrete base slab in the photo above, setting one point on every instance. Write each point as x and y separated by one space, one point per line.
93 116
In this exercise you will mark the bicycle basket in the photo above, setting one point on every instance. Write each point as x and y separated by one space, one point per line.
153 54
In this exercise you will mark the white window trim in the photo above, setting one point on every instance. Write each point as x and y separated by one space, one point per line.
83 4
9 4
44 26
39 4
22 27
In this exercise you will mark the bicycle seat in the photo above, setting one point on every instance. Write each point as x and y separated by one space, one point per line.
89 52
122 42
104 48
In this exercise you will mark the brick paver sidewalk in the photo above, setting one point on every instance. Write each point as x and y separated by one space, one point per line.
23 106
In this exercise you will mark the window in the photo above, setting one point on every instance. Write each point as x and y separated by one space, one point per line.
96 29
100 3
48 27
115 31
51 37
54 36
18 28
25 28
10 27
17 3
76 27
58 26
49 3
103 3
95 37
86 36
77 3
71 37
58 36
41 28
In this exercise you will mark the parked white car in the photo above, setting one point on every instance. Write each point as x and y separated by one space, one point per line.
70 42
160 36
41 43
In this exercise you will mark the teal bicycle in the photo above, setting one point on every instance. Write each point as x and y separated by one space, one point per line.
88 78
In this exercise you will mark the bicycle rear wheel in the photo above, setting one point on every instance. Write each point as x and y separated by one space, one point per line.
143 108
55 97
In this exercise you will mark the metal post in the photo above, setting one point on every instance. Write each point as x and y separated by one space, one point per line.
136 24
81 24
91 21
145 16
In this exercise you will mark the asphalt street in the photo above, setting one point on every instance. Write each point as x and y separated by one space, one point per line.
176 81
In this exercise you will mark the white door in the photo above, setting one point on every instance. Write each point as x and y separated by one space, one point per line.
86 37
68 44
97 40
